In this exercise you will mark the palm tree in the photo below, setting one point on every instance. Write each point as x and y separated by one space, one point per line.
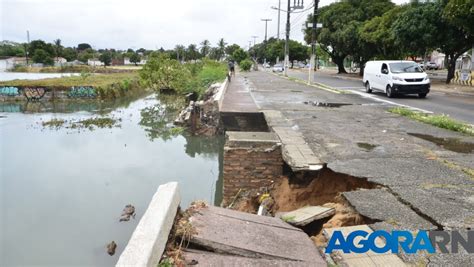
205 47
221 48
57 48
192 53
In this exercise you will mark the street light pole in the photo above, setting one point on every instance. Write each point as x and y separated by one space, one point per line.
279 10
298 4
287 40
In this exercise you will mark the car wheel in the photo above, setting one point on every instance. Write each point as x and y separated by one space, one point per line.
422 95
389 92
367 88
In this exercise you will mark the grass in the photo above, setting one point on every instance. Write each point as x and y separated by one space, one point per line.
441 121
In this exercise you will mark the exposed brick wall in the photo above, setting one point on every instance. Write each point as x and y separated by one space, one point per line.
250 166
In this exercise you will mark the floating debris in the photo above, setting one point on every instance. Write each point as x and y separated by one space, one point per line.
128 211
111 248
91 123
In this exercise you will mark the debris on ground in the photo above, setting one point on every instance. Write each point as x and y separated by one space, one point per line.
202 117
221 236
306 215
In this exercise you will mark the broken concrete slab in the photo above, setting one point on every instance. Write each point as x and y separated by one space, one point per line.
381 205
306 215
363 259
203 258
241 234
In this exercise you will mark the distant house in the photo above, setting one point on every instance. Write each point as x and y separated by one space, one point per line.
59 61
7 63
94 62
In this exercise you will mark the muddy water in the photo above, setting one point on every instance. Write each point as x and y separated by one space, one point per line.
453 144
62 190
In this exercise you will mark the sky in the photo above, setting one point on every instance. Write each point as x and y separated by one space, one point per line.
150 24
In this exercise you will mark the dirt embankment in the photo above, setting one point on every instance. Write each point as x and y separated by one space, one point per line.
320 189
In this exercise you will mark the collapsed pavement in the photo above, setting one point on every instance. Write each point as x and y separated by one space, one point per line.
421 185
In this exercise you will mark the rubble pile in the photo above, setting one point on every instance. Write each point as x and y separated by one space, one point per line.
202 117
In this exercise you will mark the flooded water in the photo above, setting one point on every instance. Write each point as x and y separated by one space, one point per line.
62 189
9 76
453 144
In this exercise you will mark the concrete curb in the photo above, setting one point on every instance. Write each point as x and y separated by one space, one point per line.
219 96
149 239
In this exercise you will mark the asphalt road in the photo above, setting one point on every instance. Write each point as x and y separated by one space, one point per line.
457 106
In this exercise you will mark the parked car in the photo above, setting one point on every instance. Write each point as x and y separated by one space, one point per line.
396 77
278 68
431 66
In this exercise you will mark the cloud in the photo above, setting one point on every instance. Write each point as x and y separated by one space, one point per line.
143 23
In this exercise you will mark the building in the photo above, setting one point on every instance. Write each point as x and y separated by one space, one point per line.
94 62
59 61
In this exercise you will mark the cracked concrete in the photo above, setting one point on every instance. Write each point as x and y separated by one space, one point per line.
425 180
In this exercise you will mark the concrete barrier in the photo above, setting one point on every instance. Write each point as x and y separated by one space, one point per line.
219 96
149 239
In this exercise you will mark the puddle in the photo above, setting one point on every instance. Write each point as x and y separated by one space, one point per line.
326 105
367 146
453 144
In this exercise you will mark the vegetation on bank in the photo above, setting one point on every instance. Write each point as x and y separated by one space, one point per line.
108 86
441 121
163 73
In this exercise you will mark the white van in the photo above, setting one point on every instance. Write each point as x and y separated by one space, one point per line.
396 77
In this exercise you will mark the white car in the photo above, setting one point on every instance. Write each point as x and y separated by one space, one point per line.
396 77
278 68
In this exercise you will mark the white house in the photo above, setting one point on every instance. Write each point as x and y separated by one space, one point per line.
126 61
59 61
94 62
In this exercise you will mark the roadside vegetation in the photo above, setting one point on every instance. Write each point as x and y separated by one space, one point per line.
108 86
162 73
441 121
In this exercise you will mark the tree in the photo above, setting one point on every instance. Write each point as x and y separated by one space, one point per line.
40 44
11 49
230 49
192 53
70 54
58 47
135 58
106 58
460 14
41 56
160 72
205 48
239 55
416 29
83 46
340 35
220 52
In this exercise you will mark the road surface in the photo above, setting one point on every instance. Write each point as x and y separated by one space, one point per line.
457 106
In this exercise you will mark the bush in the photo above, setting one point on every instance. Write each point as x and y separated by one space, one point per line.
245 65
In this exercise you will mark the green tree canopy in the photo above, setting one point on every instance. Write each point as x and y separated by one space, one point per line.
41 56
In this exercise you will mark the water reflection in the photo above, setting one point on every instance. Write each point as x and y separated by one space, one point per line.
62 191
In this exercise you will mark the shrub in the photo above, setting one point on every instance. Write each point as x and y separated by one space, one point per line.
245 65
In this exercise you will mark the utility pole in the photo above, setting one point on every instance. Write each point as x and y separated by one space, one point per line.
266 23
312 61
250 44
27 45
254 39
298 4
279 10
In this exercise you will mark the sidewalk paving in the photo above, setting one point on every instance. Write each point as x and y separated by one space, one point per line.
364 140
